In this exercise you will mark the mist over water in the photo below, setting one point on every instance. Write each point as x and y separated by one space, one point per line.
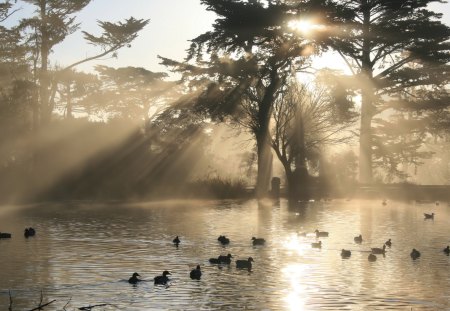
86 253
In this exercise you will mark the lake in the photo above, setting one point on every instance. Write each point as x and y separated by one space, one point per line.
83 254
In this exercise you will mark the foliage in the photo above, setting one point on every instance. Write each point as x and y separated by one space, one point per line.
399 54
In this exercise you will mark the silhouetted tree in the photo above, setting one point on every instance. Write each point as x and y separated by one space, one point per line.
52 23
132 92
392 46
247 58
305 121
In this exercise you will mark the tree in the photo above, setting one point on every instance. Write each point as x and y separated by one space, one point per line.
133 92
392 46
53 22
305 121
243 64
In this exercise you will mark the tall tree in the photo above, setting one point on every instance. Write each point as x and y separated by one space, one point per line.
247 58
392 46
306 121
53 22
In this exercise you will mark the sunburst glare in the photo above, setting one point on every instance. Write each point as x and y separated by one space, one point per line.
305 26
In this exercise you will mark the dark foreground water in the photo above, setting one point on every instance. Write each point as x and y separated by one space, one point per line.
83 255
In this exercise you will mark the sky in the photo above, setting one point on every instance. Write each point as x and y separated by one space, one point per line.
172 24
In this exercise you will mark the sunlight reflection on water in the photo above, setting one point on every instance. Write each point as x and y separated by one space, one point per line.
87 252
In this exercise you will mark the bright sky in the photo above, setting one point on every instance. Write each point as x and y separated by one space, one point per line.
172 24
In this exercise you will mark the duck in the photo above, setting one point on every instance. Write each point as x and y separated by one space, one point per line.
388 243
447 250
162 279
196 273
258 241
134 278
429 216
358 239
317 245
29 232
372 257
176 241
321 233
223 239
244 264
4 235
345 253
415 254
221 259
377 250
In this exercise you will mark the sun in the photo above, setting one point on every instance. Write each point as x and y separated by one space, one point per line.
305 26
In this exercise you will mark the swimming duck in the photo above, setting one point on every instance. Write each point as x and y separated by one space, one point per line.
345 253
221 259
162 279
258 241
317 245
447 250
223 239
321 233
244 264
415 254
134 278
29 232
372 257
377 250
196 273
429 216
388 243
176 241
4 235
358 239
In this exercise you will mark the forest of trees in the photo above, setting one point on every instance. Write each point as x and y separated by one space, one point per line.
131 133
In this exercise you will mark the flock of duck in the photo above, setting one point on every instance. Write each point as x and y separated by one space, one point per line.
196 273
247 264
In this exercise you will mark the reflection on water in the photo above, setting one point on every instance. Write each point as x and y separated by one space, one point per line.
86 253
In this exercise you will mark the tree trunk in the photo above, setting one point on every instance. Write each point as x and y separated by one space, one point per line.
264 165
263 135
44 79
367 92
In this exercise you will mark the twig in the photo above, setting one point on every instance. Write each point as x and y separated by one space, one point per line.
10 300
64 308
93 306
42 306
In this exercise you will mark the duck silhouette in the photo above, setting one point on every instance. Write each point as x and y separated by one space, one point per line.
358 239
317 245
428 216
345 253
4 235
29 232
258 241
196 273
321 233
134 278
176 241
377 250
162 279
447 250
221 259
244 264
223 239
415 254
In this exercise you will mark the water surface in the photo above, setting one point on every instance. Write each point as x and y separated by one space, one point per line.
84 253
